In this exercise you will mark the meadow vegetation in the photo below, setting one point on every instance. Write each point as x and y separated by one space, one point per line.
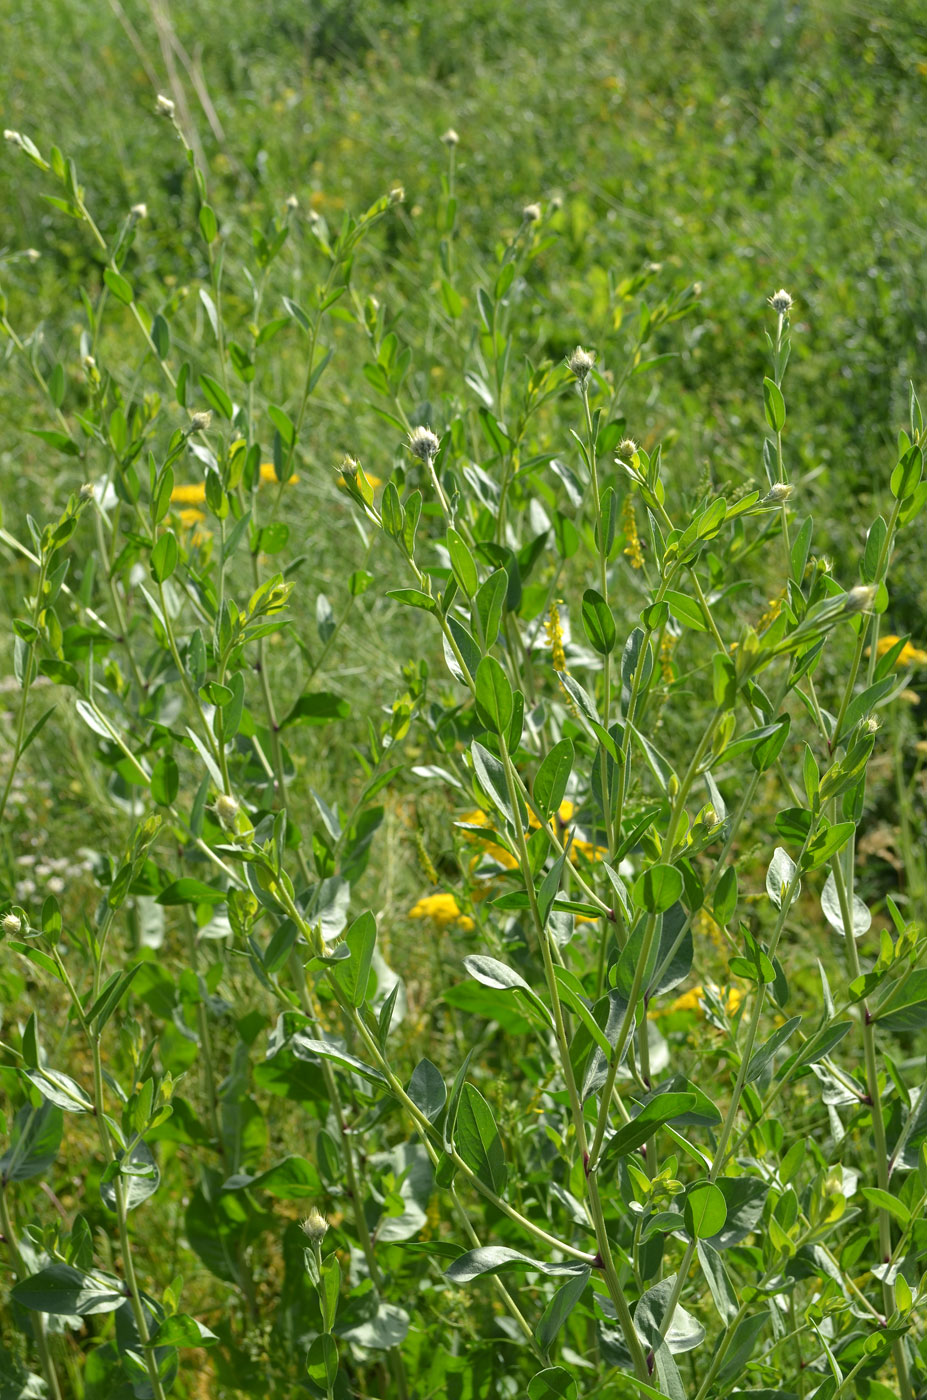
462 731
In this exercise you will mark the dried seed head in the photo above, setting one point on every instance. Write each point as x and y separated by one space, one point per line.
450 137
778 494
227 809
164 107
860 599
781 302
11 924
424 443
200 421
581 362
315 1226
531 213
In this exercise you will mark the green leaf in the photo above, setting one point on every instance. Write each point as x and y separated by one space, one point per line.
704 1210
182 1330
550 784
427 1089
820 1044
120 286
763 1057
292 1179
164 556
905 1007
651 1117
190 891
780 875
719 1285
826 844
477 1140
884 1200
766 750
317 707
60 1089
34 1142
494 700
462 563
140 1178
215 396
496 1259
322 1361
208 225
556 1384
60 1289
60 441
686 610
559 1308
352 974
489 603
598 623
775 405
657 888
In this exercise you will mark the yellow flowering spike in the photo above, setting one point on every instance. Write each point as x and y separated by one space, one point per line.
909 655
192 495
553 630
442 909
632 547
694 1000
667 647
189 517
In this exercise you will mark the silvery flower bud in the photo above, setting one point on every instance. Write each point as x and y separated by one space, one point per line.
86 491
860 599
200 421
628 447
424 443
531 213
777 495
315 1226
139 211
397 194
781 302
450 137
581 362
11 924
32 255
164 107
348 468
227 810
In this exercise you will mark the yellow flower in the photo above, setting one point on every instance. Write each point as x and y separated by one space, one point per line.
909 655
498 853
190 517
375 481
268 476
192 495
553 629
442 909
693 1000
632 546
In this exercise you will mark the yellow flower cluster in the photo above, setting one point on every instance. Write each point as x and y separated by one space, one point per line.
909 655
194 493
773 609
504 858
632 546
694 1000
443 910
553 630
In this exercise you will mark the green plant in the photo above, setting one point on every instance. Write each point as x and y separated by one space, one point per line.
612 1176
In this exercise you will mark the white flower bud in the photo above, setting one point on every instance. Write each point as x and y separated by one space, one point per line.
581 362
164 107
200 421
397 194
11 925
139 211
32 255
13 137
227 810
860 599
450 137
781 302
348 468
292 202
531 213
777 495
315 1226
424 443
86 491
628 447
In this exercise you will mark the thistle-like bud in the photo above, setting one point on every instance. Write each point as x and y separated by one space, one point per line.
139 211
781 302
581 362
424 443
860 599
11 924
227 809
315 1226
628 448
200 421
348 468
778 494
531 213
450 137
164 107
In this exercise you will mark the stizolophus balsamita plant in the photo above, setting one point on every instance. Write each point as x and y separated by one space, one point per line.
668 1138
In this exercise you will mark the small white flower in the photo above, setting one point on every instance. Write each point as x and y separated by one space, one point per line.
348 468
227 809
139 211
531 213
424 443
781 302
450 137
164 106
292 202
11 925
200 421
397 194
860 599
86 491
315 1226
581 362
778 494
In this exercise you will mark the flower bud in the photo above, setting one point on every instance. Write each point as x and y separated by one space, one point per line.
581 362
628 448
227 810
200 421
781 302
32 255
315 1226
292 202
777 495
860 599
86 492
423 443
164 107
139 211
397 194
348 468
11 925
450 137
531 213
13 137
